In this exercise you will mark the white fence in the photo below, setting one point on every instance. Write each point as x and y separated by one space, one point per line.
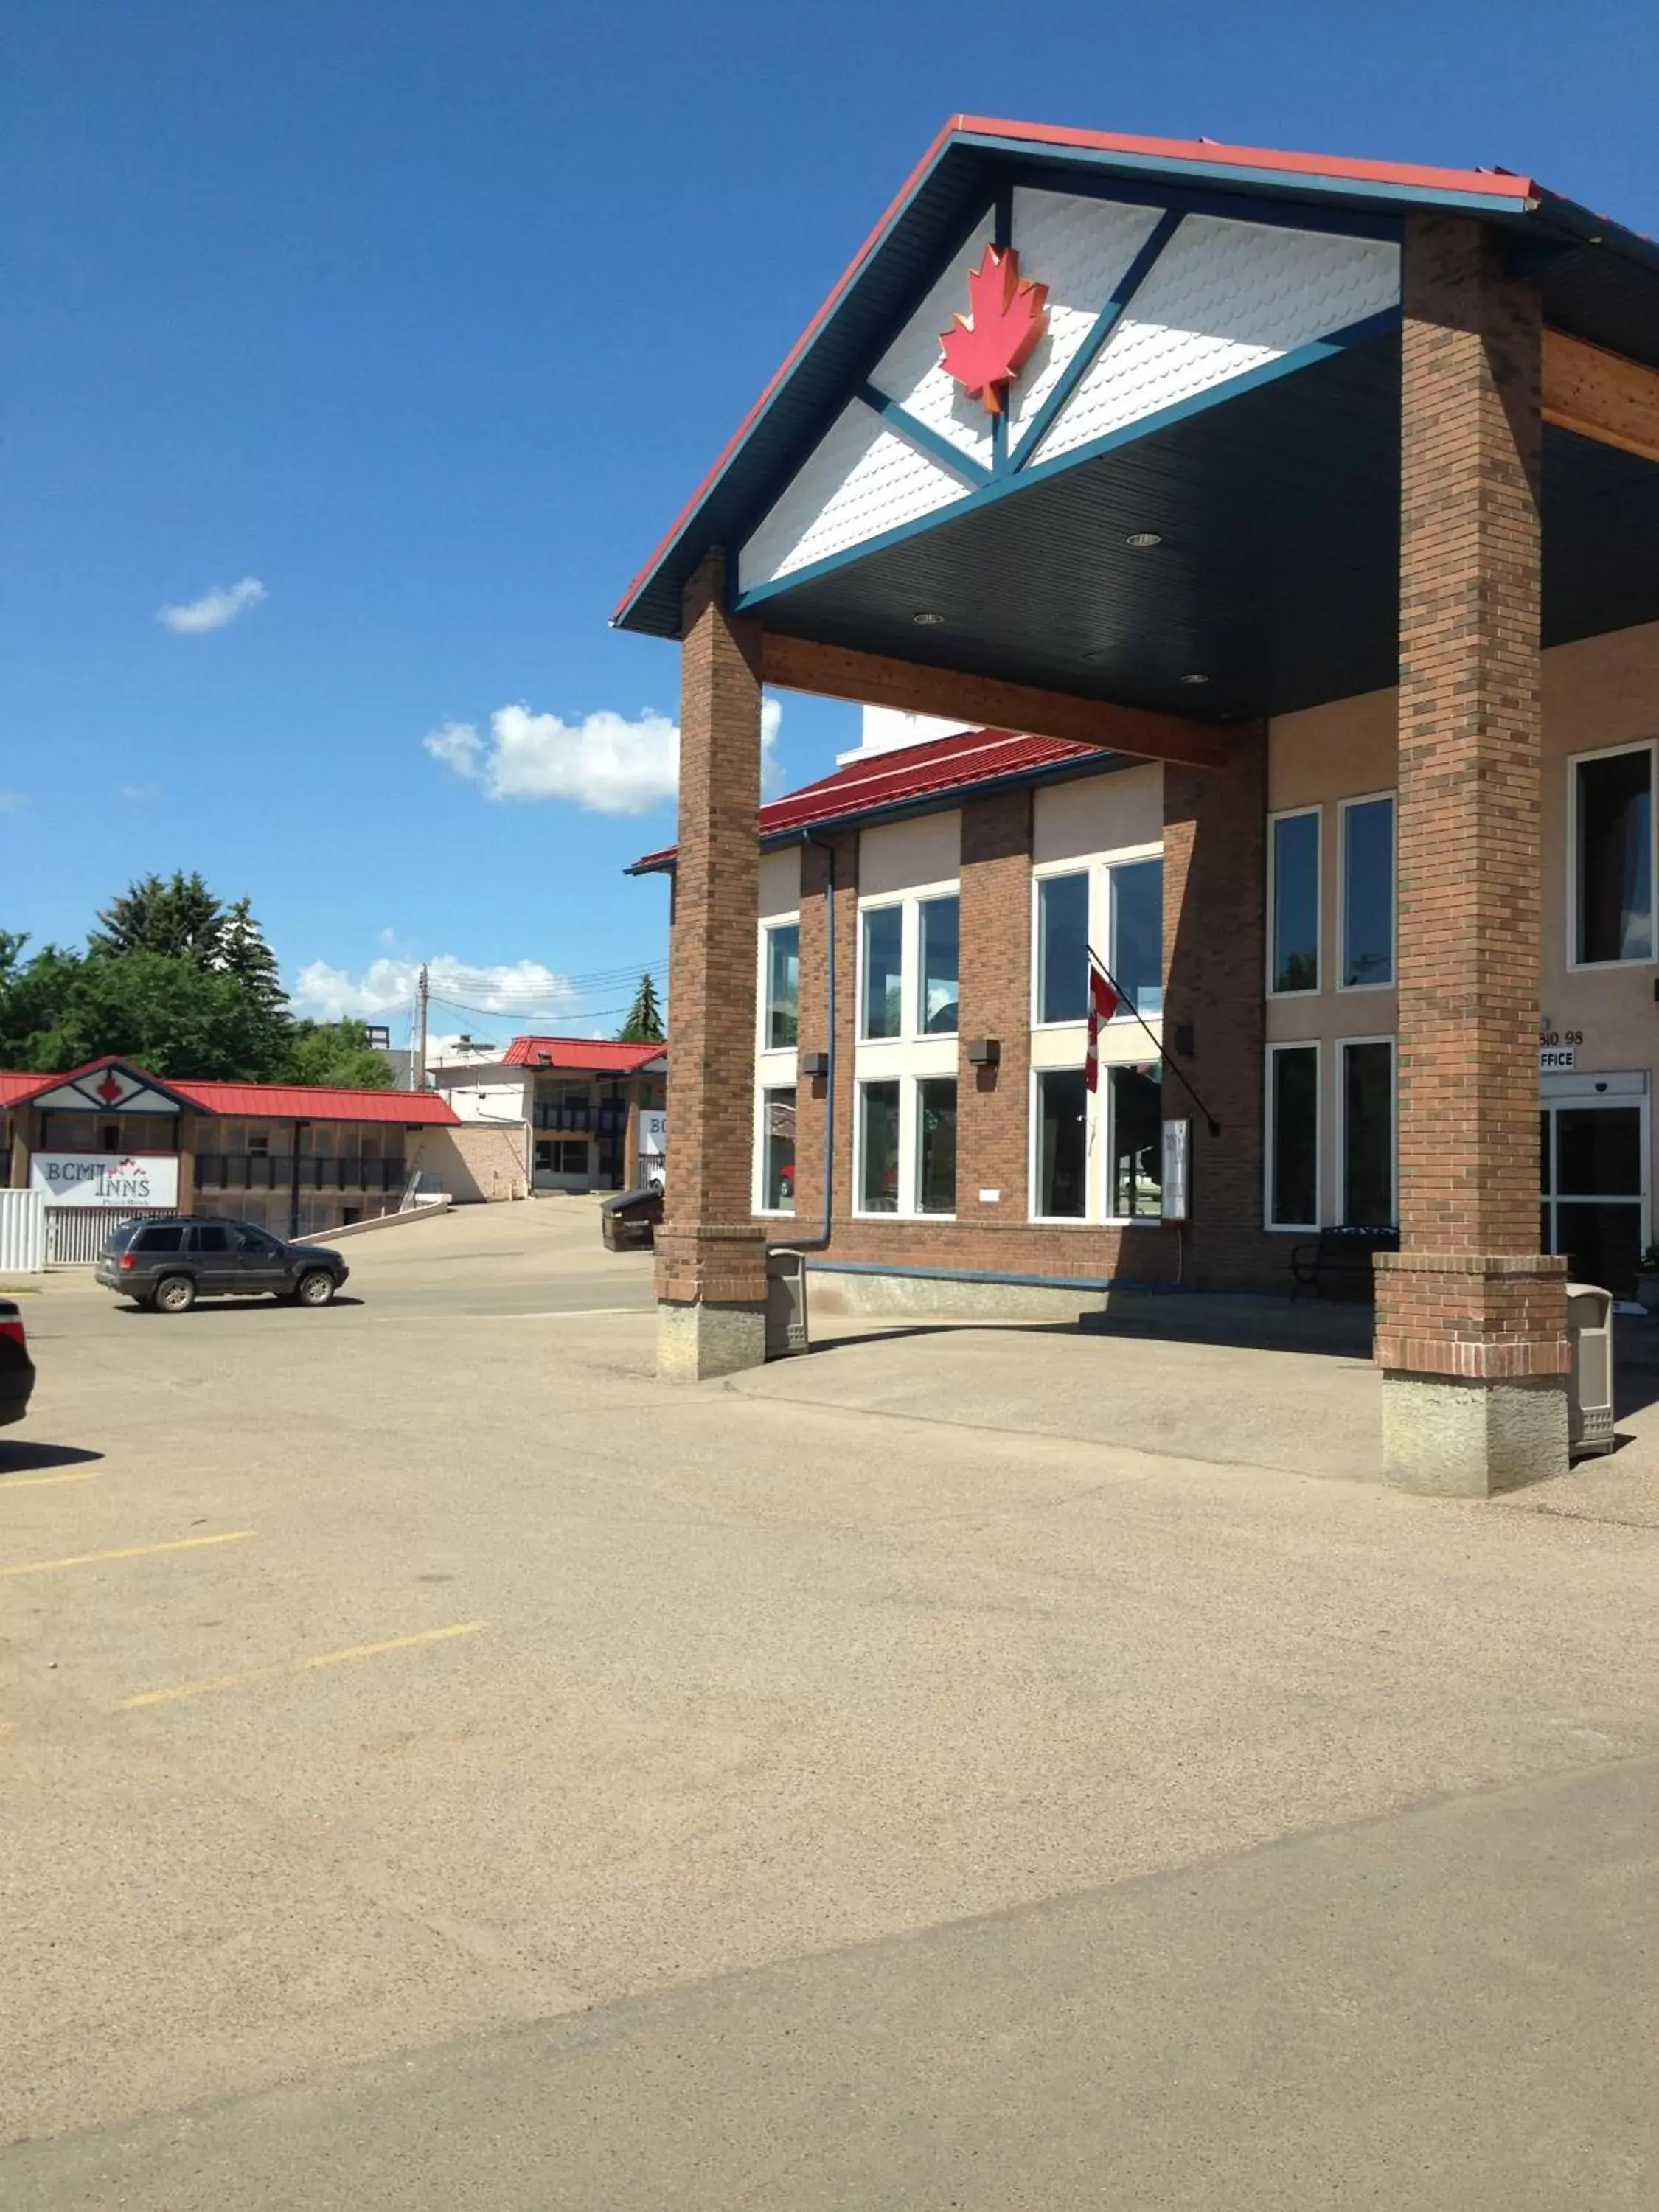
22 1233
76 1234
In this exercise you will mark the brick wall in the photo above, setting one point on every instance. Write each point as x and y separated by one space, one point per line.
1215 963
1468 1297
708 1247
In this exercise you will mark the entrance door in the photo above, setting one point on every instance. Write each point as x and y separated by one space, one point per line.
1594 1169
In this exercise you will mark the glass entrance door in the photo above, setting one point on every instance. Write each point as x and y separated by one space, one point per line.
1594 1178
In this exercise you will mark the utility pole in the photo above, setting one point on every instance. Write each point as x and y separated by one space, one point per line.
422 990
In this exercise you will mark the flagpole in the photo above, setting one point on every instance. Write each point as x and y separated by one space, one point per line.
1180 1075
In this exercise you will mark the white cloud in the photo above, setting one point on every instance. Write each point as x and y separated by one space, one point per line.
11 801
606 763
139 793
216 607
385 987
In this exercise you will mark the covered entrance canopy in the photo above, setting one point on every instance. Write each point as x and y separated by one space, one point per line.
1139 442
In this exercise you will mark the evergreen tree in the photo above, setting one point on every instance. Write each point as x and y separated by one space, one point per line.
179 919
244 953
644 1023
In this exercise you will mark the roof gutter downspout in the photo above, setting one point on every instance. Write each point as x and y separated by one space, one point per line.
821 1243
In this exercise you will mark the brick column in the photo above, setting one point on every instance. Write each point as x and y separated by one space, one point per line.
186 1163
993 1111
813 1115
1214 984
1470 1321
711 1262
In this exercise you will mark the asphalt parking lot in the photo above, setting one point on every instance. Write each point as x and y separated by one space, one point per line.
442 1766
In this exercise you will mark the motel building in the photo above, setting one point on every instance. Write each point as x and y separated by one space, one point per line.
1275 540
109 1140
591 1109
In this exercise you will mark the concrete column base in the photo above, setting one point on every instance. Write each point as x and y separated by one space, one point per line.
695 1341
1446 1437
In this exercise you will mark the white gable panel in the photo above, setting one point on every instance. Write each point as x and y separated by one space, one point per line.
127 1097
1223 298
860 481
1080 248
909 370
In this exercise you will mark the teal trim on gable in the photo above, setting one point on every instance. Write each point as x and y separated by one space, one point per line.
1222 173
1104 324
1017 480
924 438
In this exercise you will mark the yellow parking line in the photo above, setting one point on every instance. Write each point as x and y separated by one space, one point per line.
28 1481
132 1551
300 1666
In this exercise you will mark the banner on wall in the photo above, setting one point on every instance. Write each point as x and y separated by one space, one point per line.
107 1179
654 1147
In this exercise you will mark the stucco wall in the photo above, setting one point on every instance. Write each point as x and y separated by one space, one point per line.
474 1162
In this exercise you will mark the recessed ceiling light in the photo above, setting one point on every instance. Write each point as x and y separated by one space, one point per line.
1194 679
1142 538
928 620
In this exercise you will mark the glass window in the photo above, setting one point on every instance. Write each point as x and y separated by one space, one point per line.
1614 894
778 1151
1062 1148
1368 893
883 1012
878 1147
1294 953
169 1237
1137 902
1293 1158
782 986
1062 948
209 1238
936 1148
1137 1189
1368 1135
936 1009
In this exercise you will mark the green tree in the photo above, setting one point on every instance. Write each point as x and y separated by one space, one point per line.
168 1014
335 1053
180 919
644 1023
244 953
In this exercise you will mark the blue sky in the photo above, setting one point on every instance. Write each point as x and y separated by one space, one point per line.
423 320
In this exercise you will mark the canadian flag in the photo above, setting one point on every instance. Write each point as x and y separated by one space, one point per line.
1102 1004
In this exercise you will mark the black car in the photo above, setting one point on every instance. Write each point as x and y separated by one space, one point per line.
16 1368
170 1264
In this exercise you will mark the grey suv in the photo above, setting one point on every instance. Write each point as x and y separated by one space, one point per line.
168 1265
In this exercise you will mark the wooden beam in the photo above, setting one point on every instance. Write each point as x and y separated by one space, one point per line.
795 664
1600 395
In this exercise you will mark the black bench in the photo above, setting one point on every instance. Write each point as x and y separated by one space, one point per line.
1341 1255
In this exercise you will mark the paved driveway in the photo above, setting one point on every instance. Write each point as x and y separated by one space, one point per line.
444 1766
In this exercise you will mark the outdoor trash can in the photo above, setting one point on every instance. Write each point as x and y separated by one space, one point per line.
629 1221
1589 1369
785 1302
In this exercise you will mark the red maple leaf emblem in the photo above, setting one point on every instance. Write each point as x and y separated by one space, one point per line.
110 1089
1008 314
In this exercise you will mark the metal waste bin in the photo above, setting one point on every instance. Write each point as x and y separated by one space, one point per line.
785 1302
1589 1369
629 1221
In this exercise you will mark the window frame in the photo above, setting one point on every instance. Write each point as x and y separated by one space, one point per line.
1270 1136
763 1091
1575 966
913 973
910 1103
1096 869
1339 1109
860 1037
1296 814
1343 807
763 969
860 1212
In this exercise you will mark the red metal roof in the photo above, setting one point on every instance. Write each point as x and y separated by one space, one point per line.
1508 194
933 770
282 1102
582 1055
318 1103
